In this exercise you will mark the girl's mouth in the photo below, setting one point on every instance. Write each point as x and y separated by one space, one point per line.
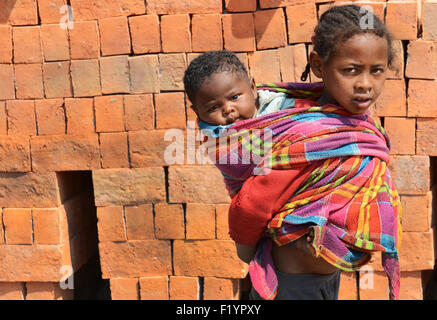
362 103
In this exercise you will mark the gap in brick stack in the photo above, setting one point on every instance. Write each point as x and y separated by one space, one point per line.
429 278
77 197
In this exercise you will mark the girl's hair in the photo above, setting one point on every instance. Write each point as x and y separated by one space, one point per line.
340 23
207 64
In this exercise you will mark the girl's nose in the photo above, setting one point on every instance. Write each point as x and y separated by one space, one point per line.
363 84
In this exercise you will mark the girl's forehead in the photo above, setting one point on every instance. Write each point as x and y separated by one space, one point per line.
364 46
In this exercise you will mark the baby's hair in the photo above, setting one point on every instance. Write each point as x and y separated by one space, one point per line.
207 64
340 23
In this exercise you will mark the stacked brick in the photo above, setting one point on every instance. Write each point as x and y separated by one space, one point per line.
103 95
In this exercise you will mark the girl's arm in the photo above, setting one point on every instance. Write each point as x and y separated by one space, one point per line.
245 253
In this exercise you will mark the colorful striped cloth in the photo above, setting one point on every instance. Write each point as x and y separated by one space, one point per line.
334 169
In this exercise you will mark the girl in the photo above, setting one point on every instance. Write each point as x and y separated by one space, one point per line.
342 230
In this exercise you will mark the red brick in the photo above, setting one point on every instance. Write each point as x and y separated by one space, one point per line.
281 3
80 116
55 44
187 6
29 81
145 185
111 224
3 119
2 234
114 150
264 66
147 148
139 112
135 258
292 60
109 113
18 190
239 32
114 36
84 40
301 19
175 33
270 31
410 174
426 133
170 110
86 10
200 221
144 74
18 226
429 23
169 221
50 116
49 10
6 48
240 6
420 102
65 152
418 52
57 83
114 73
219 259
397 69
154 288
221 289
206 32
85 77
20 12
139 222
46 226
197 184
21 117
184 288
41 290
145 42
17 152
171 71
221 215
417 251
7 89
401 19
401 132
377 6
12 291
392 101
416 212
124 288
27 44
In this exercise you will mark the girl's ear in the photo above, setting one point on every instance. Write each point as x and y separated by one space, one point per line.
316 63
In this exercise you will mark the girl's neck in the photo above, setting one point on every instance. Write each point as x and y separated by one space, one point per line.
326 98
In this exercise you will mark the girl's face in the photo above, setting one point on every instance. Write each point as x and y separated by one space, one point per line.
225 98
354 76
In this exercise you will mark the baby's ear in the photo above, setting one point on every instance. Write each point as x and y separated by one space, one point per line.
253 87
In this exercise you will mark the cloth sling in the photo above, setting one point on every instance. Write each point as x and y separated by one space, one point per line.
319 168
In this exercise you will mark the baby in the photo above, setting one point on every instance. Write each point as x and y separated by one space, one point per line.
221 92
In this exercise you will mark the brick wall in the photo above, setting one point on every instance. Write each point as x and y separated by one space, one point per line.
101 97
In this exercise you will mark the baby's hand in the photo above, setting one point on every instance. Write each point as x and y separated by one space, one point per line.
304 243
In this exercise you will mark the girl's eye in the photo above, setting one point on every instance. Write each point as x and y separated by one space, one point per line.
350 70
378 71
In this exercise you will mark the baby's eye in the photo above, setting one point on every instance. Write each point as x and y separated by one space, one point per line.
213 108
235 97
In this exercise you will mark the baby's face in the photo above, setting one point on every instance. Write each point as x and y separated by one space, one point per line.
225 98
